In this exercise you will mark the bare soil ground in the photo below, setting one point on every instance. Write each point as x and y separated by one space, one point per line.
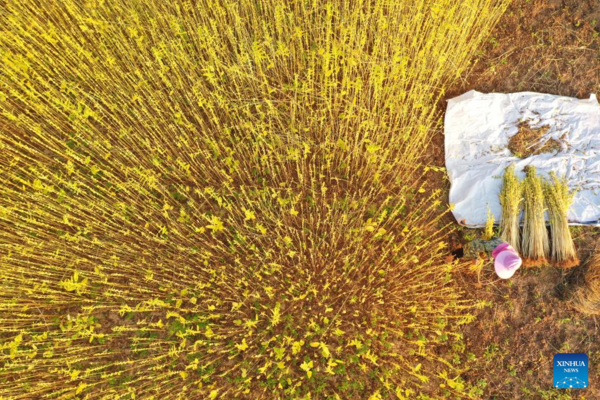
549 46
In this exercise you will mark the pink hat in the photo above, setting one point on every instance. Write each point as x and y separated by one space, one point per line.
506 260
501 247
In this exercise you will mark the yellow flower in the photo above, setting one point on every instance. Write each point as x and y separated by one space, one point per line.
249 214
243 346
307 366
216 225
296 346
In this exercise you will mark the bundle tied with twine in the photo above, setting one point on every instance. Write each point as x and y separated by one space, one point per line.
511 202
535 245
558 200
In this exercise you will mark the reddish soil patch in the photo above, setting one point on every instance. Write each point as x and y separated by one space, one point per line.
547 46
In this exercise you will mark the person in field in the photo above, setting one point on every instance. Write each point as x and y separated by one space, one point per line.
506 259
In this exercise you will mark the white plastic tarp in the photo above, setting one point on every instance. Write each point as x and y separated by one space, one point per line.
478 127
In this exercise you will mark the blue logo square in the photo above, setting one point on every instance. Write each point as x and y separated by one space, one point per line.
571 370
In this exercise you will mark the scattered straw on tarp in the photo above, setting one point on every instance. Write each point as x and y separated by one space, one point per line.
532 141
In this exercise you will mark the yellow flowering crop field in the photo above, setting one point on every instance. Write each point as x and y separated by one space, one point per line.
227 199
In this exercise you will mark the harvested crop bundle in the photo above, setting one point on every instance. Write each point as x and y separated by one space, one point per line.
511 198
587 298
535 246
558 200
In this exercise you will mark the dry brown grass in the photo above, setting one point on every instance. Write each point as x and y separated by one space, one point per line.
587 298
530 141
